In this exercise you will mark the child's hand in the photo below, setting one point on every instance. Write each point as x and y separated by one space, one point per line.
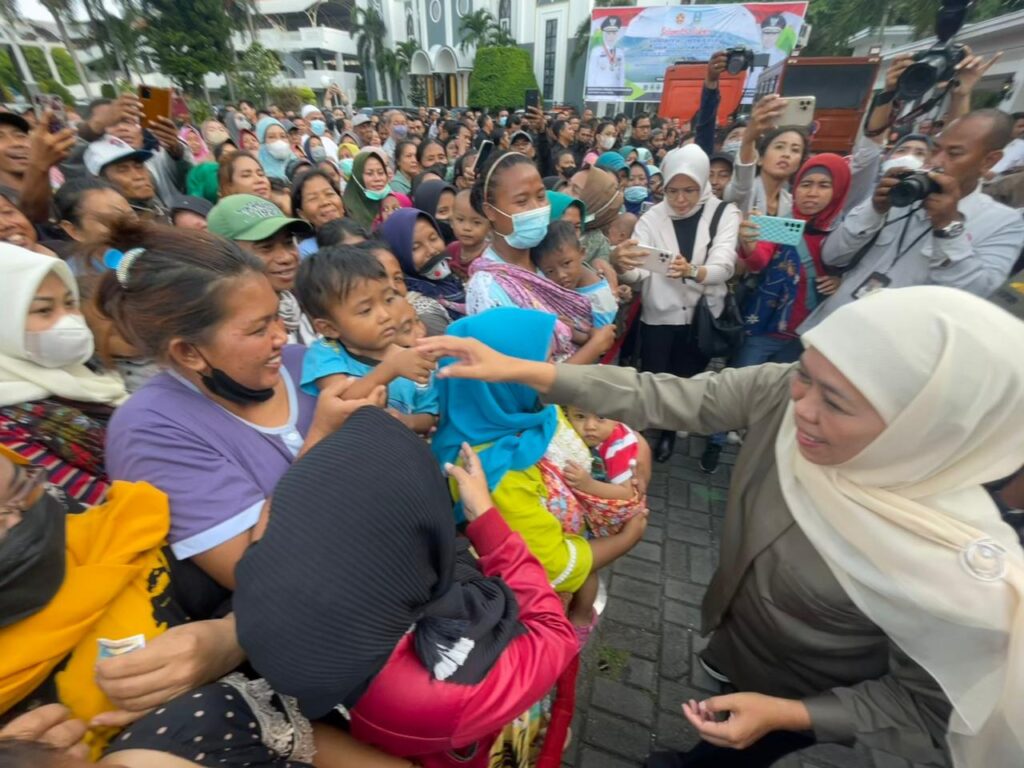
410 363
473 491
576 476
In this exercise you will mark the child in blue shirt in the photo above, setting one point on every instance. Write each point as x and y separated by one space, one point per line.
359 315
559 257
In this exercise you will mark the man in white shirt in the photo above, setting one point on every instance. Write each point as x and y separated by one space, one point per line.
396 128
956 236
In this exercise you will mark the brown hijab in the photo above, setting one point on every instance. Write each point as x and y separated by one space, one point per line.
602 197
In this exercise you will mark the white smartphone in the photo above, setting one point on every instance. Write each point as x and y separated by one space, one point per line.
799 111
658 259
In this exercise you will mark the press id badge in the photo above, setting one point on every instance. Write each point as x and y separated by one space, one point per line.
874 282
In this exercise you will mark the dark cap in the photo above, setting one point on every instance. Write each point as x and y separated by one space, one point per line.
19 122
520 135
197 205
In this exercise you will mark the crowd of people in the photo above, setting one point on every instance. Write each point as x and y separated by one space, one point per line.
318 428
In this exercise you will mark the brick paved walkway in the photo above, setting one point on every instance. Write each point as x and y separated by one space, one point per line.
639 666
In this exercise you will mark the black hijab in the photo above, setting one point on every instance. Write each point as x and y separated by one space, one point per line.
426 197
356 552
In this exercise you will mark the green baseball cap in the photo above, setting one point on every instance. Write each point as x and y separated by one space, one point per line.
248 217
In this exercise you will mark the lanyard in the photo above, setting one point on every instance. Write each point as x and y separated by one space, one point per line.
900 251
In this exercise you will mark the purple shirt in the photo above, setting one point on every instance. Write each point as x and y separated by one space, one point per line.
216 468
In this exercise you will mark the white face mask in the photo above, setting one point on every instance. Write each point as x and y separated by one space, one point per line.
68 342
606 142
279 149
732 147
907 162
439 271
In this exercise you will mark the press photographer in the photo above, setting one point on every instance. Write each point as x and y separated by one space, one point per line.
939 228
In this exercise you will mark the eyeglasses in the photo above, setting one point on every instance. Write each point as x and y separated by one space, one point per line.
27 480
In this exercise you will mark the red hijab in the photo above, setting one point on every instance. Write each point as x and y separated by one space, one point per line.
840 172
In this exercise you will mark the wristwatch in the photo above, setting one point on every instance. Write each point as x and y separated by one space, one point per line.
951 230
692 274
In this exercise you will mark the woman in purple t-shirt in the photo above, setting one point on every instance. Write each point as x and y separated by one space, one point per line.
218 428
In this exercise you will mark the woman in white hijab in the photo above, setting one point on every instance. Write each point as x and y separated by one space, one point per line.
868 589
700 231
53 408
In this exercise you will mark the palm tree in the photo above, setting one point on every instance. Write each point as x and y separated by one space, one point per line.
501 38
370 31
243 14
582 44
61 9
404 52
9 11
476 29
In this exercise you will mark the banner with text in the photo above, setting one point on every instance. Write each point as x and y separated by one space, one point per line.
630 48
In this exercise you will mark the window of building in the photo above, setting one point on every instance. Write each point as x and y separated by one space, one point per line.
550 44
463 7
410 27
435 11
505 14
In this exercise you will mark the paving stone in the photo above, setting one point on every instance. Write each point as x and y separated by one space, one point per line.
653 533
683 516
593 758
638 569
634 614
644 592
674 733
672 695
699 499
689 534
886 760
617 735
629 639
685 591
676 560
701 568
642 673
675 653
624 701
647 550
681 613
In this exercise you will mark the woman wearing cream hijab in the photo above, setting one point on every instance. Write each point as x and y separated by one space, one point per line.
867 590
53 408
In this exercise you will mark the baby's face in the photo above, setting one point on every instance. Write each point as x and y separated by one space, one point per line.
592 428
410 328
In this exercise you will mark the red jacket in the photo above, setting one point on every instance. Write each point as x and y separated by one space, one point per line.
406 712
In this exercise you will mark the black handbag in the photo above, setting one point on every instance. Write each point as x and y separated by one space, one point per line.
717 336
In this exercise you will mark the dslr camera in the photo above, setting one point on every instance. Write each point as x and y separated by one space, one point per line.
913 186
740 58
937 64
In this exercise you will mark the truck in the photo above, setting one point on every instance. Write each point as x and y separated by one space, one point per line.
841 86
680 93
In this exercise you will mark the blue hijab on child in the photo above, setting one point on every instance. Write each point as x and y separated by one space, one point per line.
508 418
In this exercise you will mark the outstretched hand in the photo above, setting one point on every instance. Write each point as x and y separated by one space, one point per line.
472 480
473 359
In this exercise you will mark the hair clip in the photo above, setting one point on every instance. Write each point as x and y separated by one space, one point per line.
120 262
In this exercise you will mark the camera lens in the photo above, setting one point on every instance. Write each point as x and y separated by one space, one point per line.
735 64
921 76
913 187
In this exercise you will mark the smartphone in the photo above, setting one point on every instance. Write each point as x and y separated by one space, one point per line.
156 103
799 111
486 147
532 98
55 105
775 229
658 259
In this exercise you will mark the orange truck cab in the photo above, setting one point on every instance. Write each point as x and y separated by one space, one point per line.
680 94
841 86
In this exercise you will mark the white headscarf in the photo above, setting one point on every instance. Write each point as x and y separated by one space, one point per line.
21 380
692 162
905 526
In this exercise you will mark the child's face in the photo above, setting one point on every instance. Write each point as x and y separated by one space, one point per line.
410 328
470 227
813 194
719 177
365 320
388 206
426 243
444 206
564 267
393 270
592 428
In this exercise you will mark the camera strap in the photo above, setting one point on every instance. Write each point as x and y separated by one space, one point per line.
900 251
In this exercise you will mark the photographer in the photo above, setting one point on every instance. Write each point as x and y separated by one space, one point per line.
952 234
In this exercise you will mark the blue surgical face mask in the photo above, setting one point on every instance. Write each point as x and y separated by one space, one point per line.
399 131
319 154
635 193
346 165
503 120
317 127
528 227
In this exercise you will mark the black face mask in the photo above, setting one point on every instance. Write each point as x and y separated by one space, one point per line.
32 561
447 233
569 172
222 385
440 169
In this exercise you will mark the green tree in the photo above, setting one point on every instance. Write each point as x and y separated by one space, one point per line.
370 31
583 36
361 96
65 67
500 77
60 10
9 11
188 40
52 87
37 63
404 52
243 16
257 69
476 29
